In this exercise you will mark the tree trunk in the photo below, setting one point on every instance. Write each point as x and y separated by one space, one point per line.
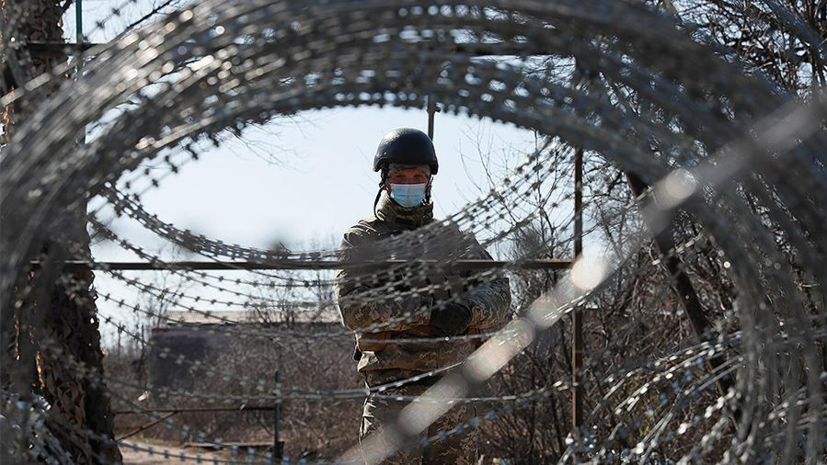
62 322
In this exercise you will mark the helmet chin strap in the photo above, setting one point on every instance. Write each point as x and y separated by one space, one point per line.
428 190
381 188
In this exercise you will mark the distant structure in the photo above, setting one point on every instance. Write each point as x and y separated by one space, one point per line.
200 337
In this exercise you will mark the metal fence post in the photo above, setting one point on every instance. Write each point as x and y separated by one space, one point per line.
576 314
278 446
431 112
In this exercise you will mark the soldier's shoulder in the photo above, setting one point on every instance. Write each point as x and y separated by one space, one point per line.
450 226
366 226
460 238
368 223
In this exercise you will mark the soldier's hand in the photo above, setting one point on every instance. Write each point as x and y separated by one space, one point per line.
451 319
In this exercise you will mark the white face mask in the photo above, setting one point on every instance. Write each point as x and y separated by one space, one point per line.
408 195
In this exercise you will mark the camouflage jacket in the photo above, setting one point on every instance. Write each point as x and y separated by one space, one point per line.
383 305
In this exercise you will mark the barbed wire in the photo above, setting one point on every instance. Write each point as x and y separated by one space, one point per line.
180 359
360 393
764 213
282 333
527 397
697 355
693 361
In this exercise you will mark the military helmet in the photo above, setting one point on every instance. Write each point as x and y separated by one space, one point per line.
408 147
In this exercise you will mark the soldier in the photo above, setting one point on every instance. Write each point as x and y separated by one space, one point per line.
414 301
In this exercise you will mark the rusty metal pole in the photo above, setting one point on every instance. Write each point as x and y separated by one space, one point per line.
431 113
278 451
576 315
79 34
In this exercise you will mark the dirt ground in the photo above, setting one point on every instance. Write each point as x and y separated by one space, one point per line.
142 457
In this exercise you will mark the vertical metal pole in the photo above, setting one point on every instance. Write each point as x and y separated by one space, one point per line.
576 315
277 450
79 52
78 21
431 113
79 35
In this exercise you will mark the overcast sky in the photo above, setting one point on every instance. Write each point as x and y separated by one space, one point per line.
300 179
317 179
322 184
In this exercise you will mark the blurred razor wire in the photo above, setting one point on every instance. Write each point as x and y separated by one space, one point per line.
685 269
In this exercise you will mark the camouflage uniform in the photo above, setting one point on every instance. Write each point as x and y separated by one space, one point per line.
361 306
456 448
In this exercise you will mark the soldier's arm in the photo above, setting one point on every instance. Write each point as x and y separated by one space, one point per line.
362 309
490 300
